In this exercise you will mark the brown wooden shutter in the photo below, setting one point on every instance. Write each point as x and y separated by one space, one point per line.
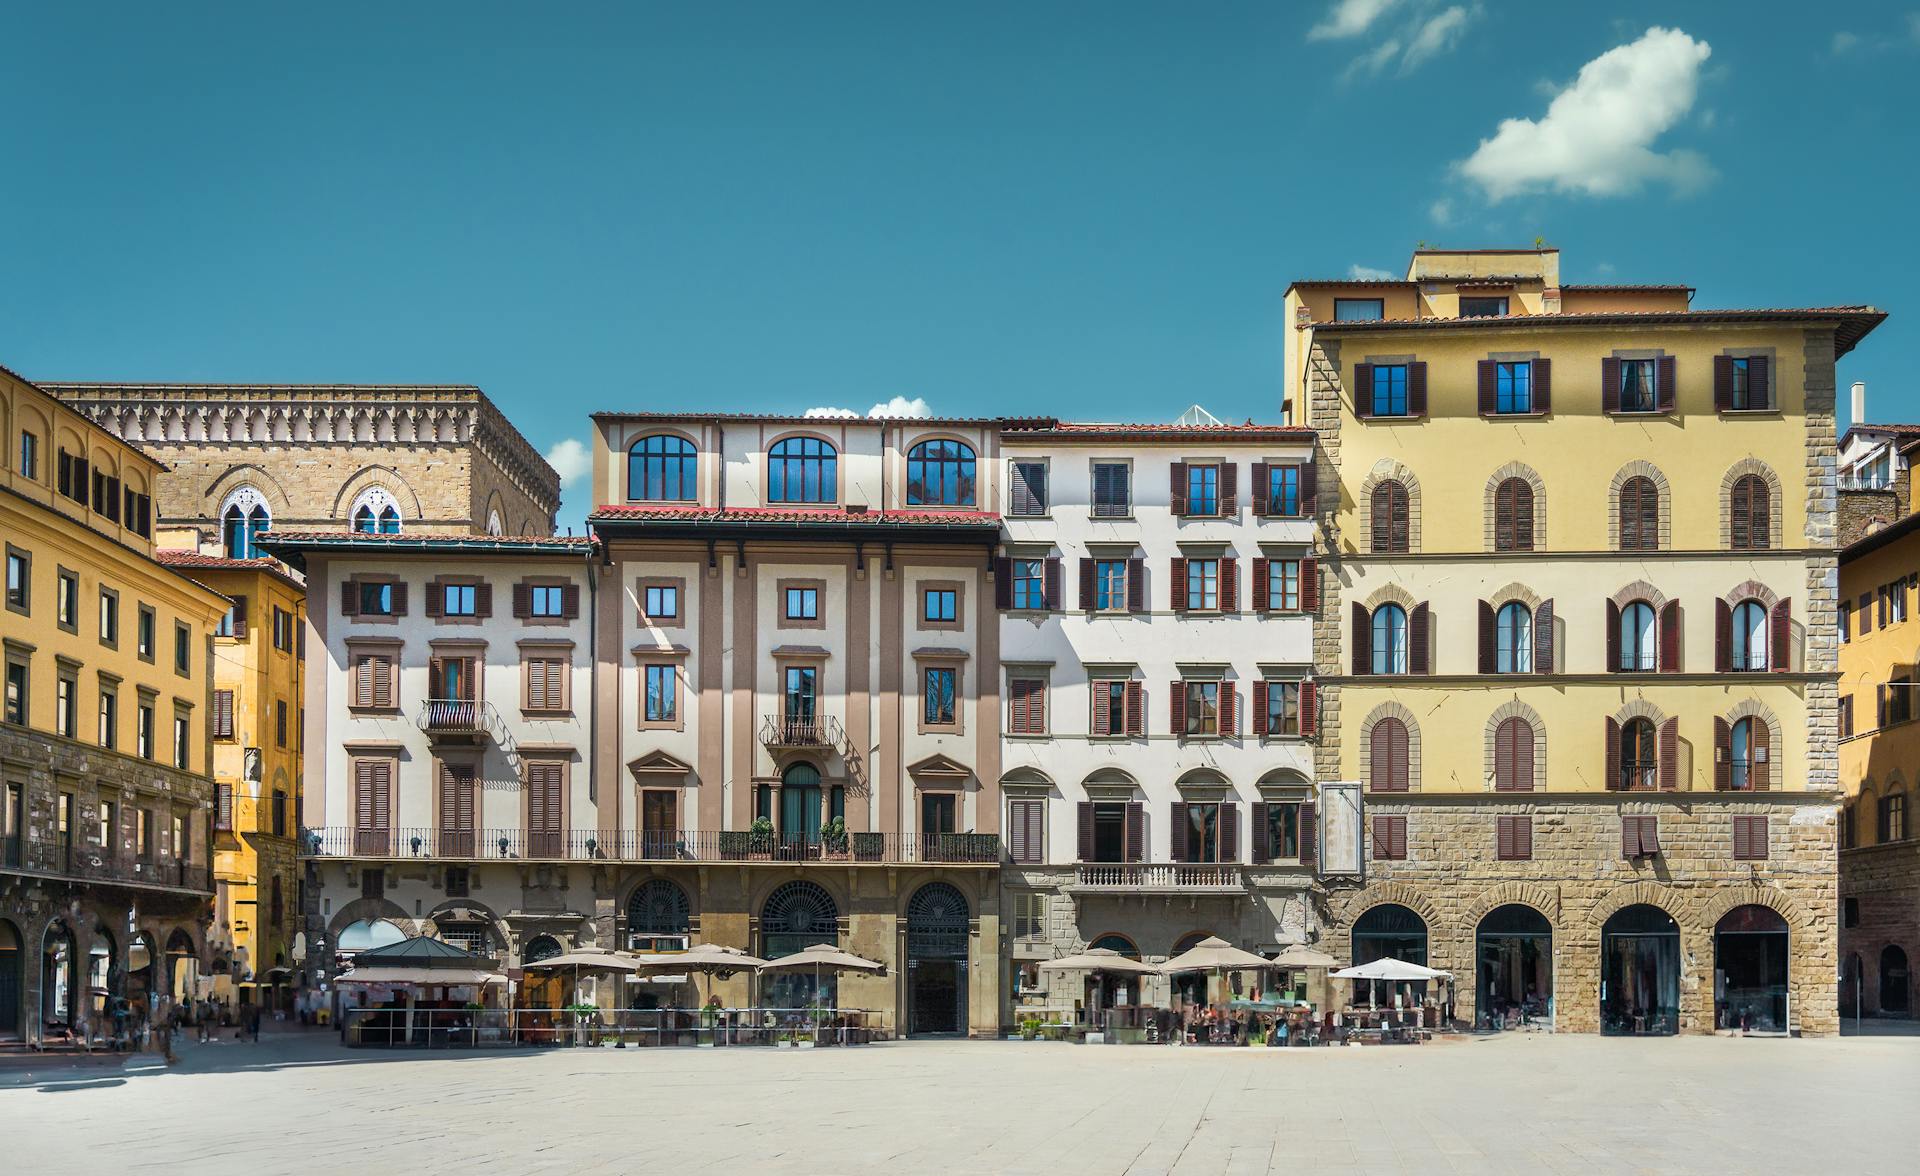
1261 483
1050 583
1759 392
1136 585
1084 818
1489 653
1309 830
1002 583
1523 838
1780 636
1613 637
1178 827
223 806
1489 387
570 601
1017 707
1664 384
1543 638
382 681
1309 490
1722 754
1739 508
1522 515
400 598
1389 767
1309 708
1177 488
436 598
1229 489
1613 753
1609 385
1088 569
349 598
1740 850
1228 705
1136 709
1542 385
522 600
1037 706
1760 754
1103 723
1136 831
1503 839
240 617
1229 832
1310 585
1229 585
1261 849
1670 637
1670 755
1418 624
363 680
1722 383
1629 837
1177 707
1036 827
1362 640
1258 724
1417 388
1760 514
1363 390
1017 846
1262 584
483 599
1722 637
1180 601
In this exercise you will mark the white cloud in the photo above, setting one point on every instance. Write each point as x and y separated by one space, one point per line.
1348 18
1375 59
1367 273
899 406
1441 211
571 459
1845 42
1913 25
1597 136
1438 34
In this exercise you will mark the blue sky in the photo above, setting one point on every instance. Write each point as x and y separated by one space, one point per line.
1090 209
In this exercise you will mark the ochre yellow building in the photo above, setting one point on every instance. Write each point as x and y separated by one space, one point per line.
105 883
1576 639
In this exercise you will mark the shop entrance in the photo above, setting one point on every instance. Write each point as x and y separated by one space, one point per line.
1750 970
1893 981
1640 973
937 934
1514 968
11 961
796 916
1389 931
59 978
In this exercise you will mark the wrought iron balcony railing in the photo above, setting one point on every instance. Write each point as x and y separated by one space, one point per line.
456 716
780 730
593 845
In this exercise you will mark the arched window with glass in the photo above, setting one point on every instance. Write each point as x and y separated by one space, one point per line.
376 512
243 520
1639 756
1513 639
663 468
1638 646
1389 639
940 473
1748 752
1748 650
803 469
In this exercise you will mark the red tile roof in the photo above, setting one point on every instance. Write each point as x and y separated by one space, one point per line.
1855 321
825 515
294 542
1624 287
187 562
1125 431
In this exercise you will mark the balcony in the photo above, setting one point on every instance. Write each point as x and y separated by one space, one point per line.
1158 878
593 845
457 718
95 865
780 732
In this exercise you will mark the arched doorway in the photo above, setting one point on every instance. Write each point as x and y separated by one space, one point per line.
800 818
12 960
59 977
1105 991
1388 931
938 930
104 976
368 934
1513 952
1189 988
1750 970
1852 971
183 966
798 915
659 917
140 957
1894 995
1640 972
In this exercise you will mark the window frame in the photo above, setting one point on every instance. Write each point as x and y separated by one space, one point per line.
683 455
20 600
1208 475
665 671
948 459
1042 496
1483 304
1513 644
818 470
1511 386
1379 306
1109 509
1032 587
930 671
1206 568
1404 381
1649 364
1397 657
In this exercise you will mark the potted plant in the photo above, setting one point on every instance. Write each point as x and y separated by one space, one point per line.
835 838
1030 1029
760 839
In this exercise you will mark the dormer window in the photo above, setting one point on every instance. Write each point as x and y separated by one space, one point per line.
1482 307
663 468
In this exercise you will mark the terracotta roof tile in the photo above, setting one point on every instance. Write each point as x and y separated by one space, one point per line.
1856 321
826 515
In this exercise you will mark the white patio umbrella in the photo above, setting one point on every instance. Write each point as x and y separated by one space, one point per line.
822 957
1100 959
1392 971
1302 956
1216 955
589 959
709 959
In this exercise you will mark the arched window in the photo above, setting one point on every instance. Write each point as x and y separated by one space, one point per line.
802 469
1639 514
243 518
1388 769
663 468
1513 644
796 916
1513 516
1513 756
540 947
1389 639
1747 754
1391 522
940 473
375 512
1639 652
658 907
1752 508
800 818
1749 636
1119 944
1639 756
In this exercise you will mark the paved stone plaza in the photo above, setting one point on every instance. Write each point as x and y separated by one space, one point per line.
1533 1103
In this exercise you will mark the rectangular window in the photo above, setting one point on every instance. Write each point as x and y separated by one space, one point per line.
1029 912
941 605
1110 585
1513 839
1203 489
803 604
1897 602
1389 389
1026 706
223 714
1846 717
1639 836
109 718
280 722
1389 839
282 630
1110 707
143 834
1482 307
182 649
1202 709
1202 832
182 742
549 600
1514 387
459 882
143 730
1112 489
1750 838
67 601
1282 833
940 709
107 833
1030 584
29 456
662 602
1638 384
663 702
66 707
228 624
373 681
17 700
1029 495
1283 708
547 683
19 580
373 883
801 694
1283 585
1203 584
1359 310
459 600
1026 833
1740 373
376 599
1846 623
1283 490
144 635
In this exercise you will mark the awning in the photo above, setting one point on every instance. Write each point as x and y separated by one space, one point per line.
433 977
1390 969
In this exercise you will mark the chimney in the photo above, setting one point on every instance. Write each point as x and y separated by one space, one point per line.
1859 403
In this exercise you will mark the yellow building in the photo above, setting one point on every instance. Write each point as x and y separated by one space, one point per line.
256 766
1577 639
104 871
1879 757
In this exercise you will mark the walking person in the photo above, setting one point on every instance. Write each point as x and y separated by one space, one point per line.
253 1023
